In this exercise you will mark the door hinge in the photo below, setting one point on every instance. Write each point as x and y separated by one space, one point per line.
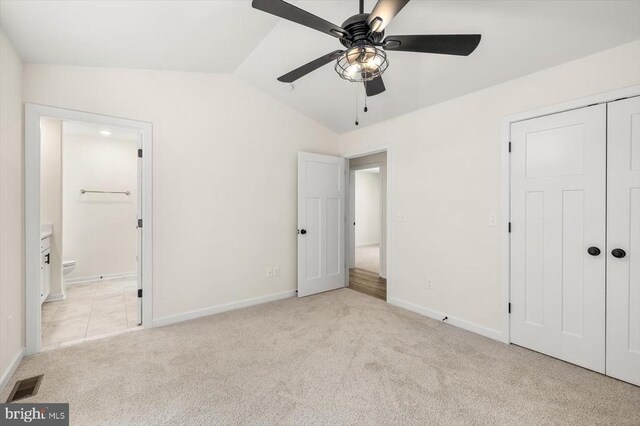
509 227
139 292
509 146
140 153
509 307
139 223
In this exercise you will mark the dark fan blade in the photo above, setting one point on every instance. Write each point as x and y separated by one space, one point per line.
297 15
450 44
292 76
374 87
383 12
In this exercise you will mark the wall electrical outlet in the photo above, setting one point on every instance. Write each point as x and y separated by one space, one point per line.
269 272
429 286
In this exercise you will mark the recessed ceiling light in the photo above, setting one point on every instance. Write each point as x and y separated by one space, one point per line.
105 132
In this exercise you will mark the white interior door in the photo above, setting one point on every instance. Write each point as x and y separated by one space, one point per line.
321 219
558 167
623 235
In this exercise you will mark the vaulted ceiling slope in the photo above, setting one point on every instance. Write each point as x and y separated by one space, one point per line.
518 38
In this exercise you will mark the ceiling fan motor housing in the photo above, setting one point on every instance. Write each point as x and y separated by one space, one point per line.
358 31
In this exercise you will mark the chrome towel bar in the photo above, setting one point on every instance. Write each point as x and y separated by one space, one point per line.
84 191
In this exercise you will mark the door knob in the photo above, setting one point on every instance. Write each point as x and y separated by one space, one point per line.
303 231
619 253
593 251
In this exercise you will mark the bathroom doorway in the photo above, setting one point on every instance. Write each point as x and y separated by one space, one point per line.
89 214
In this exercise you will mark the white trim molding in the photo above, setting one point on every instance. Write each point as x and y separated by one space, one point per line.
32 115
204 312
505 209
458 322
103 277
13 366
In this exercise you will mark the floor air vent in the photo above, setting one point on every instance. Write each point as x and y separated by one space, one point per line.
25 388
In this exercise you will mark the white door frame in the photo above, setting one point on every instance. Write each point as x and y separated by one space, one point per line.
389 223
351 213
33 113
505 208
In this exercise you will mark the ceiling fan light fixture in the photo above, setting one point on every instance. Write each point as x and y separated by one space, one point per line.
362 63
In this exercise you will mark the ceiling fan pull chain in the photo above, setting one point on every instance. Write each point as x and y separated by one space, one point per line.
357 123
365 97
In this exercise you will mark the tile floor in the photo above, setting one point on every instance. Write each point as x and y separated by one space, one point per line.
90 310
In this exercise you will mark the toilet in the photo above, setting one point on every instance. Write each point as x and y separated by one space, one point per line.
68 266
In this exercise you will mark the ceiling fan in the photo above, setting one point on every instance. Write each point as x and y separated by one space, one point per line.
365 59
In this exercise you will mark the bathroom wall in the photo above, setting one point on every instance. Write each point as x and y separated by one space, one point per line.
99 229
367 208
51 196
11 211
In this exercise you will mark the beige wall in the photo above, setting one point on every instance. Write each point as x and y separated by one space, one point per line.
99 229
225 173
51 195
445 170
11 210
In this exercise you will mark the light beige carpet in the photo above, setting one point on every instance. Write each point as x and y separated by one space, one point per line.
368 258
337 358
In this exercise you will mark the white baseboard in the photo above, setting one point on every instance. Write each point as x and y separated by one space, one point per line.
13 366
54 297
80 280
172 319
469 326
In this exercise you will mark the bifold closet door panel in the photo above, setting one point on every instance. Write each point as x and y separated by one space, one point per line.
623 235
558 172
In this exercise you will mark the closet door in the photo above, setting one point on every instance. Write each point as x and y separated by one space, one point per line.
623 240
558 167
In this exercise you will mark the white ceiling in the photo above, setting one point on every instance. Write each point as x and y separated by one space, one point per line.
518 37
209 36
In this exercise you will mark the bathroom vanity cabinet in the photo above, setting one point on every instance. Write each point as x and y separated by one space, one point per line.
45 268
